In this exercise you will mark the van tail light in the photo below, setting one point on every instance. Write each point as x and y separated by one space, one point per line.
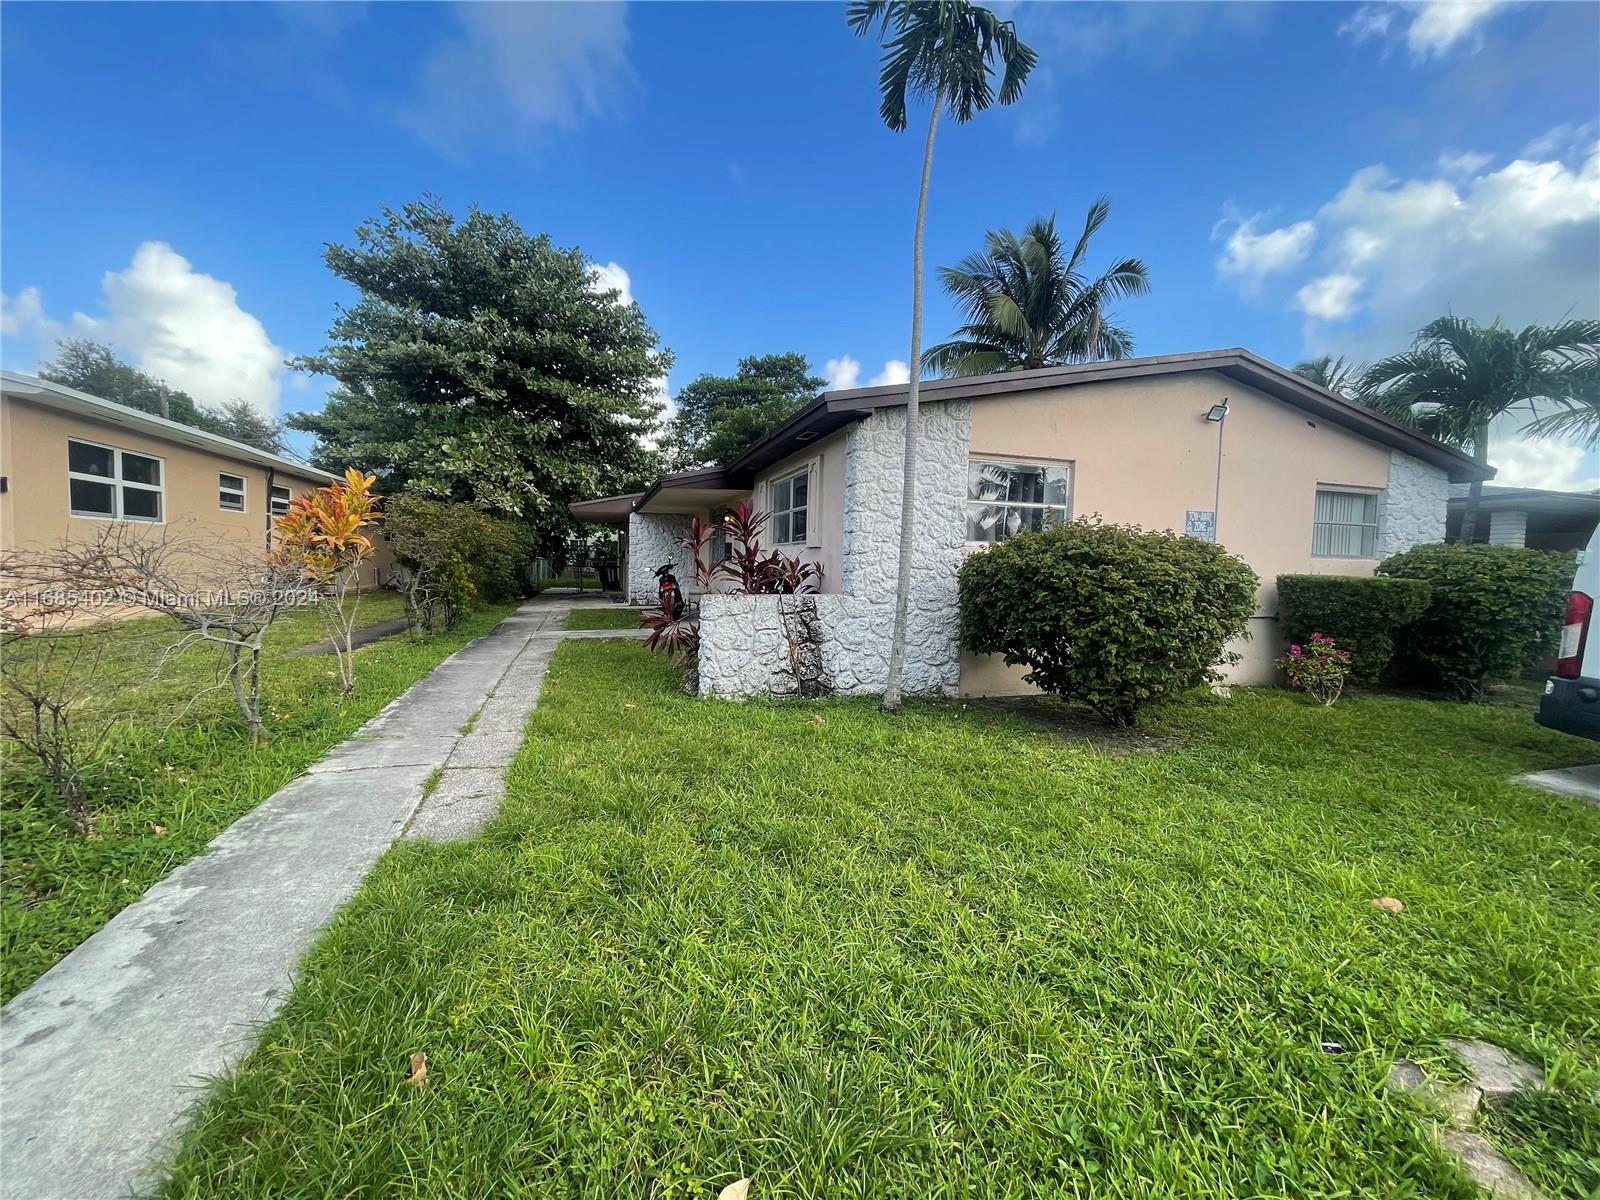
1574 633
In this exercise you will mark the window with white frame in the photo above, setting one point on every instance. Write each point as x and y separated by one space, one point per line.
280 500
103 481
790 508
1006 497
1345 524
230 491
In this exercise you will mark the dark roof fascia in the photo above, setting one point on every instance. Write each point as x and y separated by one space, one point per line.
821 417
715 477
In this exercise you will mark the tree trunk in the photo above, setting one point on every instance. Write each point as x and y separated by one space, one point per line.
908 496
1480 454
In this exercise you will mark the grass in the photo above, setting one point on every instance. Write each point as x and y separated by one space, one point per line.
181 771
945 954
620 617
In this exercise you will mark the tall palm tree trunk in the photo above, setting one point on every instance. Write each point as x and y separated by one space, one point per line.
1480 454
908 494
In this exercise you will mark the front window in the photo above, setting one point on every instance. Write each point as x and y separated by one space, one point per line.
230 491
1345 525
1006 498
103 481
790 508
280 500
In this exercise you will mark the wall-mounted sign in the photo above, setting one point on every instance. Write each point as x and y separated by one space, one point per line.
1200 523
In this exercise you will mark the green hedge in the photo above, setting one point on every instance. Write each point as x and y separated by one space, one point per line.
1361 613
1106 614
471 555
1492 611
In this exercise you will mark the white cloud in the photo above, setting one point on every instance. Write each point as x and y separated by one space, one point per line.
1429 28
894 371
518 69
1252 256
1518 243
1541 463
845 372
612 277
177 324
1331 298
1386 255
1564 141
842 373
1468 162
22 315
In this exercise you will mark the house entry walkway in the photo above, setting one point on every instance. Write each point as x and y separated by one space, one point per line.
103 1056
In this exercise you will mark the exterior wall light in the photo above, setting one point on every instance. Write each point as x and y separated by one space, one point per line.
1217 411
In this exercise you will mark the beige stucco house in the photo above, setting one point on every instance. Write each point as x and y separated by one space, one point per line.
1222 444
71 462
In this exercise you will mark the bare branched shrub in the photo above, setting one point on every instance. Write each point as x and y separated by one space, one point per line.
62 676
216 595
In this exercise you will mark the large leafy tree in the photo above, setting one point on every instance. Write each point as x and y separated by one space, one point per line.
484 364
1458 376
943 51
95 368
1030 304
1334 374
720 416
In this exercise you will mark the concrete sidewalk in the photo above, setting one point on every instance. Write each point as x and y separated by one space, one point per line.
103 1056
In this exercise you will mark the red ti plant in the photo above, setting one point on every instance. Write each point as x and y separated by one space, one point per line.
749 570
754 573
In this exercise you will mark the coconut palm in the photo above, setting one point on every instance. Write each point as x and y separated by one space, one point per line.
944 50
1029 304
1335 374
1459 376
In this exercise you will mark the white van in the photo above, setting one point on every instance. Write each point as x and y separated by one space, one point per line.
1572 695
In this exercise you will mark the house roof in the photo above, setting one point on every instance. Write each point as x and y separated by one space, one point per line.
833 409
1532 500
69 400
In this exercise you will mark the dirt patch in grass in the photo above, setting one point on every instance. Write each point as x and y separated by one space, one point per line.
1073 724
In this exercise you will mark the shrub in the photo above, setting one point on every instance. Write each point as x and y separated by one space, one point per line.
1492 611
457 554
1318 667
1106 614
1361 612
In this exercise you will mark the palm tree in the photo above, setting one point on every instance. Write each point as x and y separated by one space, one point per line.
1333 374
1029 305
1459 376
944 50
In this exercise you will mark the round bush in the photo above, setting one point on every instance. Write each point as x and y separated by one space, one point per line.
1492 611
1362 613
1109 615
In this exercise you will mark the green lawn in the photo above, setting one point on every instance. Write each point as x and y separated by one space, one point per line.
945 954
620 617
184 764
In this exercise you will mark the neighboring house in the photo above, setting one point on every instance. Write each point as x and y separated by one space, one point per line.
1531 517
1292 478
70 462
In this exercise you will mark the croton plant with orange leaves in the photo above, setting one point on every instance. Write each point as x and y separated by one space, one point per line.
321 534
322 529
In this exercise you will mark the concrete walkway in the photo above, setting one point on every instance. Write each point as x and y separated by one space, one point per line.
103 1056
1581 783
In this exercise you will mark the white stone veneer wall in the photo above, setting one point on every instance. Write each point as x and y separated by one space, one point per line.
653 540
753 645
1414 506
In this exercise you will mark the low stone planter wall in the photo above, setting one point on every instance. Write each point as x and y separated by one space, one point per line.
821 645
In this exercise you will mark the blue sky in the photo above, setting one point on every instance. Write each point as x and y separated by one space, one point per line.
1300 178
